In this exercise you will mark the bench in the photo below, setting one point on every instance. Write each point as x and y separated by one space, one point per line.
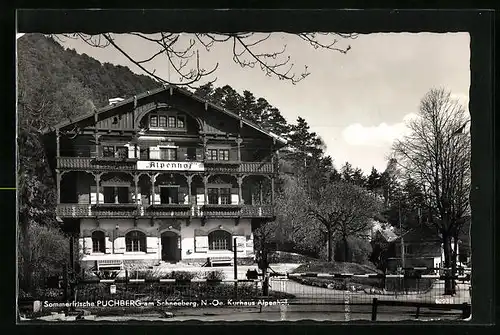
221 261
109 264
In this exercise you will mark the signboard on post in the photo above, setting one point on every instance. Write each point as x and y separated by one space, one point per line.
170 166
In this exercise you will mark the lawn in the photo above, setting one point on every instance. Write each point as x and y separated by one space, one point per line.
341 283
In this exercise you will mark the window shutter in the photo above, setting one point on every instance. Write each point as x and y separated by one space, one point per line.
200 196
109 243
201 243
240 243
199 154
233 154
182 154
131 151
183 195
157 195
151 244
154 153
119 244
234 196
93 194
87 244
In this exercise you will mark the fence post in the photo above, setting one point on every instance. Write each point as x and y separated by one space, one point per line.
126 280
465 310
374 309
235 264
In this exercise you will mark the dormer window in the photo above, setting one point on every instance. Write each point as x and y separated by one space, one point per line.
167 121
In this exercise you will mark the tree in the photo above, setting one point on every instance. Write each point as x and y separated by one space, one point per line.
373 181
438 159
344 209
294 225
182 52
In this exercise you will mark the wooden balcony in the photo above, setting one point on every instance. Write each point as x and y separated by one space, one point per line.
164 211
119 164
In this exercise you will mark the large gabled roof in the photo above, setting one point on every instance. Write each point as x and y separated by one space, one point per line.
159 90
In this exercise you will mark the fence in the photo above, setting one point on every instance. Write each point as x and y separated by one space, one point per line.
368 295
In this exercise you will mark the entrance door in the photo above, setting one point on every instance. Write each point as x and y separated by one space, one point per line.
170 247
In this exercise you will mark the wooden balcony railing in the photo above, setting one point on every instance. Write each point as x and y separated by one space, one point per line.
177 211
90 163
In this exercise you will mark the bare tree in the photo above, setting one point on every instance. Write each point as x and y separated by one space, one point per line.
248 50
439 160
345 209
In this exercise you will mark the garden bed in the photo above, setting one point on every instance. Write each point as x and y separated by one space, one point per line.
368 285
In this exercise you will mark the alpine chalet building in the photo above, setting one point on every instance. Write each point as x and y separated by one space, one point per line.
163 176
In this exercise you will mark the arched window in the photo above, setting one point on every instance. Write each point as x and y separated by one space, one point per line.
219 240
135 241
98 242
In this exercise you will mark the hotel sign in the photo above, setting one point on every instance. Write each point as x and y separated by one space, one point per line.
170 166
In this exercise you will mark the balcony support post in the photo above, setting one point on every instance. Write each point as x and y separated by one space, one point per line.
260 193
272 190
136 181
240 193
58 146
205 140
189 182
153 180
238 142
205 186
97 177
58 181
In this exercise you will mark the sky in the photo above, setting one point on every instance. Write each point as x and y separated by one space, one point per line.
357 102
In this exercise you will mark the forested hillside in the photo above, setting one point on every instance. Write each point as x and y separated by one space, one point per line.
55 83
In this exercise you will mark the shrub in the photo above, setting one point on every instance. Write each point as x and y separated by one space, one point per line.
215 275
180 275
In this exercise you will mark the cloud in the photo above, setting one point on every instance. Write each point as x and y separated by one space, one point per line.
382 135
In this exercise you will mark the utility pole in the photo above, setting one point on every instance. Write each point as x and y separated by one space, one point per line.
402 238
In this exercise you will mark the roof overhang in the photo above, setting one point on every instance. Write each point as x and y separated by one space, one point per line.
164 88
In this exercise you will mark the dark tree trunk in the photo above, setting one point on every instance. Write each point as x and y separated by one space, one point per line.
26 283
448 253
454 261
346 249
330 247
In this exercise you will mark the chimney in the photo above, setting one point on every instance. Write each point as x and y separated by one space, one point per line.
115 100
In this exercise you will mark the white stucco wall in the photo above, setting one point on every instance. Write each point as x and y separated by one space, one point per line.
153 237
243 229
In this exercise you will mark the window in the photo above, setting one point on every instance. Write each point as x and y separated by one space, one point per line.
163 121
168 154
225 196
116 195
219 240
218 154
167 120
114 151
171 122
181 121
191 154
121 152
213 196
212 154
98 242
135 241
223 154
108 151
169 195
144 153
153 121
